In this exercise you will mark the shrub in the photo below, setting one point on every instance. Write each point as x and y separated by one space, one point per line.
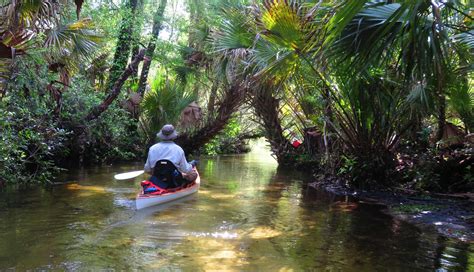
29 142
113 136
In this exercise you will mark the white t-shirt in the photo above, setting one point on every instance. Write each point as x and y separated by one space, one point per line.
167 150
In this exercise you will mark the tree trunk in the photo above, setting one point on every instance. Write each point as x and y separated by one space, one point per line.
234 97
136 36
196 11
441 115
267 109
441 101
212 98
124 43
98 110
157 23
439 76
135 50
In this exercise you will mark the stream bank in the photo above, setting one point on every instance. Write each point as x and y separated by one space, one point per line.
450 215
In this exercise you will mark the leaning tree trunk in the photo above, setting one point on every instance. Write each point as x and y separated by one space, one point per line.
157 23
99 109
212 97
124 43
234 97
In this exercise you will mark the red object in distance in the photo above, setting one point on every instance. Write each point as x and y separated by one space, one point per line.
296 143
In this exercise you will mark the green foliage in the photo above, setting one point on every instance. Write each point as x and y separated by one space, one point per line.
228 141
162 105
113 136
31 139
366 75
461 99
443 171
347 166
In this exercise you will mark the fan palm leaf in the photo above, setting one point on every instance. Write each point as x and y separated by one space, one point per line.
162 105
68 44
72 44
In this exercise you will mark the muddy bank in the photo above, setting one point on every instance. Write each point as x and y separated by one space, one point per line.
450 215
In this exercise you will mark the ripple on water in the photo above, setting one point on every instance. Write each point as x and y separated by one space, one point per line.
248 216
216 234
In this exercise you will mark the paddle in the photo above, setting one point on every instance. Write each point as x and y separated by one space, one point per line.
129 175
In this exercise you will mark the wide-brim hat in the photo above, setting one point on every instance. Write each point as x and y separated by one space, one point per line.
167 133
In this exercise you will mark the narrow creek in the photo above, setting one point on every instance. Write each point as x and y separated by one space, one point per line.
248 215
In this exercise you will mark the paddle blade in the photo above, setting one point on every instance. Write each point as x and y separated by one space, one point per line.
129 175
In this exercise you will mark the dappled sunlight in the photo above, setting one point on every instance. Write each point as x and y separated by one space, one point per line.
327 135
217 234
243 218
263 232
222 196
216 254
344 206
86 190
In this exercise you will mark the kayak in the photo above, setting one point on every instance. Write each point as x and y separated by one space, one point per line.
148 200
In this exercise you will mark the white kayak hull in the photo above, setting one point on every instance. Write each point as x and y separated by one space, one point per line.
144 201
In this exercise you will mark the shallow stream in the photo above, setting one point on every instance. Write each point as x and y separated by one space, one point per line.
247 216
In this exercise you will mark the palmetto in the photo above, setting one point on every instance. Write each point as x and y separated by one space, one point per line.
162 105
30 24
368 62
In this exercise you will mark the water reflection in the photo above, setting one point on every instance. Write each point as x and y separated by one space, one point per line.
248 215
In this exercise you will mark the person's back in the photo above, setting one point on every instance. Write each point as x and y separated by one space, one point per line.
167 150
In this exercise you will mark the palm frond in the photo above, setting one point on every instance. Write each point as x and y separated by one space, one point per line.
78 38
163 104
235 31
465 38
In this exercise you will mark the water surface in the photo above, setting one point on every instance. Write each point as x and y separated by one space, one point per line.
247 216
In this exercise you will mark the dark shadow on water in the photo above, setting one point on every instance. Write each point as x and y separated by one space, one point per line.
249 215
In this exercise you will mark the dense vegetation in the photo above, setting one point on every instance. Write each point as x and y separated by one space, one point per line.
379 92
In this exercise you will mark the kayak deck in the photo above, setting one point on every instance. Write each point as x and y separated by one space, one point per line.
148 200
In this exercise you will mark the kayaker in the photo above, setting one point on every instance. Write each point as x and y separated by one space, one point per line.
167 149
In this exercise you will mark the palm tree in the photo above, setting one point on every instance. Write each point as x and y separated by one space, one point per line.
69 43
264 53
408 41
162 105
282 45
416 37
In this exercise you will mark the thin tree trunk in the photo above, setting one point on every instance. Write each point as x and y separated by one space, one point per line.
329 115
441 101
122 51
157 23
98 110
439 76
195 14
135 50
441 115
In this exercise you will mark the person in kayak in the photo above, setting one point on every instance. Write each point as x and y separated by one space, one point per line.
167 149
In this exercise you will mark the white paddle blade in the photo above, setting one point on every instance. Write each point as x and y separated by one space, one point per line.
129 175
